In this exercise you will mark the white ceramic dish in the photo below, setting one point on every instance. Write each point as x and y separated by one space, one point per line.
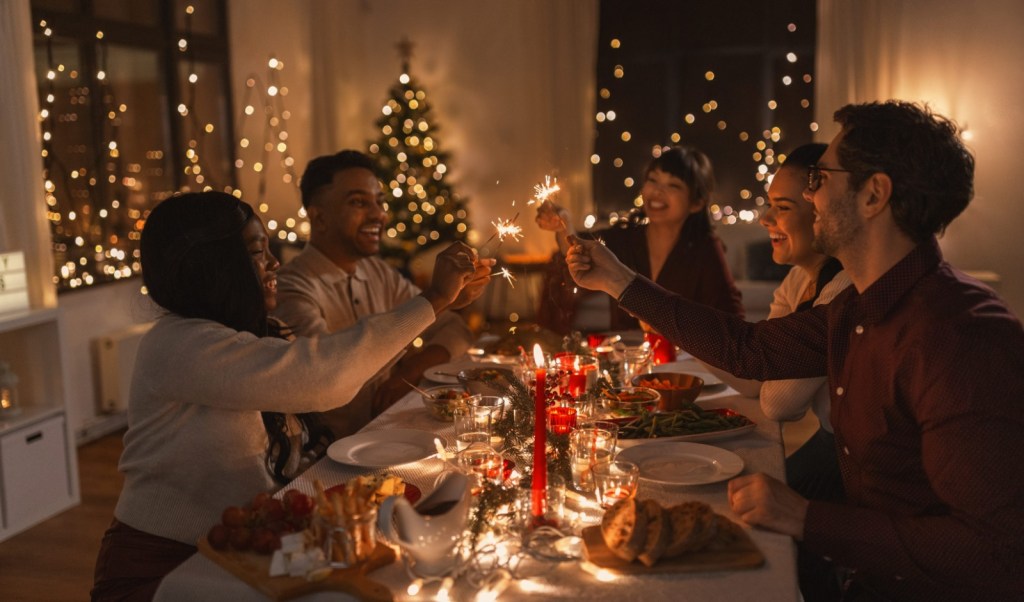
380 449
448 373
683 463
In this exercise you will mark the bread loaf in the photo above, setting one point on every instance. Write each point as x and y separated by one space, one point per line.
624 528
692 527
646 531
659 531
727 533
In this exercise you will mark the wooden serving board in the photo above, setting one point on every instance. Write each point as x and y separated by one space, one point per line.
743 554
254 569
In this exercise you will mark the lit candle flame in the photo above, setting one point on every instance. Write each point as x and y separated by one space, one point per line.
538 355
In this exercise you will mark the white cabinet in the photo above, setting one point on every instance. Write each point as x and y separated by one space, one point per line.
38 460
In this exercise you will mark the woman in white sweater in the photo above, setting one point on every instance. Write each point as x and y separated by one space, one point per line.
815 279
196 441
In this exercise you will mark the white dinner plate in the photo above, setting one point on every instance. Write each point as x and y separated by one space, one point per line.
448 373
380 449
682 463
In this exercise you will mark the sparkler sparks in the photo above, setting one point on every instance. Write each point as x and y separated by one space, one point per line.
507 275
541 192
508 228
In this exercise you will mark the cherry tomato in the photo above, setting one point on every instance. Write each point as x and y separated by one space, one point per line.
240 538
218 537
234 517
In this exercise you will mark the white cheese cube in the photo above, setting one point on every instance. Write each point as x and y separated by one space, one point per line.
299 564
293 542
278 564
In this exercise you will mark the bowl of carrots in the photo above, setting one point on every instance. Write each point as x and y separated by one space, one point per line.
676 388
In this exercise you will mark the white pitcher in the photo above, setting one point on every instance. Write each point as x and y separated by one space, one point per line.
429 532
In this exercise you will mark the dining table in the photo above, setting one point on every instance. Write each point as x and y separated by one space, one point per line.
761 449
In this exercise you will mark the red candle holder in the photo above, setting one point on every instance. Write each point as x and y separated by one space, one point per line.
576 373
662 350
561 419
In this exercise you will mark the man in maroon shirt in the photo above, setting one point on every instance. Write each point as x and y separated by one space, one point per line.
925 367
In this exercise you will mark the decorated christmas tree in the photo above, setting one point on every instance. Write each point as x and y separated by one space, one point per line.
425 211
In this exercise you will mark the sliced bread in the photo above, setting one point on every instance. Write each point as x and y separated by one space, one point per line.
693 526
659 531
624 528
727 534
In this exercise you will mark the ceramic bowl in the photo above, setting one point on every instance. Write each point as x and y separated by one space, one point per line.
676 388
442 401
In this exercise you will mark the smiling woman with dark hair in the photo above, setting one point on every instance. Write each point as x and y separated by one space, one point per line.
672 243
209 370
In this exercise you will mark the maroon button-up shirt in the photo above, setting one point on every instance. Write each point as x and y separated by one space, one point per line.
695 268
926 370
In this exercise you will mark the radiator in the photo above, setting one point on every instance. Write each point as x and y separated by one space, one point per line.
115 359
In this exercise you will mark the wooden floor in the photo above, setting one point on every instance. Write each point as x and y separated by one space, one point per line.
54 560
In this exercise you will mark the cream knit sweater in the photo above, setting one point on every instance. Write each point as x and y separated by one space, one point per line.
196 443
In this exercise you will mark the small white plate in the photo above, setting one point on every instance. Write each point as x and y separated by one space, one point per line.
681 463
448 373
380 449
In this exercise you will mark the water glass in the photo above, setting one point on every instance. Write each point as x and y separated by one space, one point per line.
481 461
635 361
615 481
610 427
472 425
588 447
553 512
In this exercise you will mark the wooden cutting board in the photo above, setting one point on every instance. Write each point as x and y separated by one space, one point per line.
254 569
742 554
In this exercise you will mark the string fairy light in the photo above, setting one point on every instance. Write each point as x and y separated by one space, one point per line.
98 198
94 232
273 149
763 155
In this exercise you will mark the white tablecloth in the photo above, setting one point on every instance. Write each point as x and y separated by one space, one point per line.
761 449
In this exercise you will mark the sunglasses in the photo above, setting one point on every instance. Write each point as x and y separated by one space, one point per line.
814 176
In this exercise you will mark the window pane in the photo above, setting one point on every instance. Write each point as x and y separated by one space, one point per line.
67 6
69 160
137 12
205 17
206 141
135 143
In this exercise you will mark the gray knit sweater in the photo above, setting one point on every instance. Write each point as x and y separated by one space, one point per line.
196 443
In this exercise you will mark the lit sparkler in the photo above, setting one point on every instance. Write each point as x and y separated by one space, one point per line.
508 228
541 192
507 275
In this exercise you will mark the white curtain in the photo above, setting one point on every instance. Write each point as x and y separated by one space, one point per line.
963 59
23 225
512 85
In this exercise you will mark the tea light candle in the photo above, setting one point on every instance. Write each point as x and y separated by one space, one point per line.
614 495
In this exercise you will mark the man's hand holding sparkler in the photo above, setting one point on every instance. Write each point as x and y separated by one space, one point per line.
593 266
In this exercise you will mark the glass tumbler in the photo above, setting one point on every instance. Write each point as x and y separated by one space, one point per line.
615 481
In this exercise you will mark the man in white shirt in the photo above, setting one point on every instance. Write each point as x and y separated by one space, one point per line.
339 278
